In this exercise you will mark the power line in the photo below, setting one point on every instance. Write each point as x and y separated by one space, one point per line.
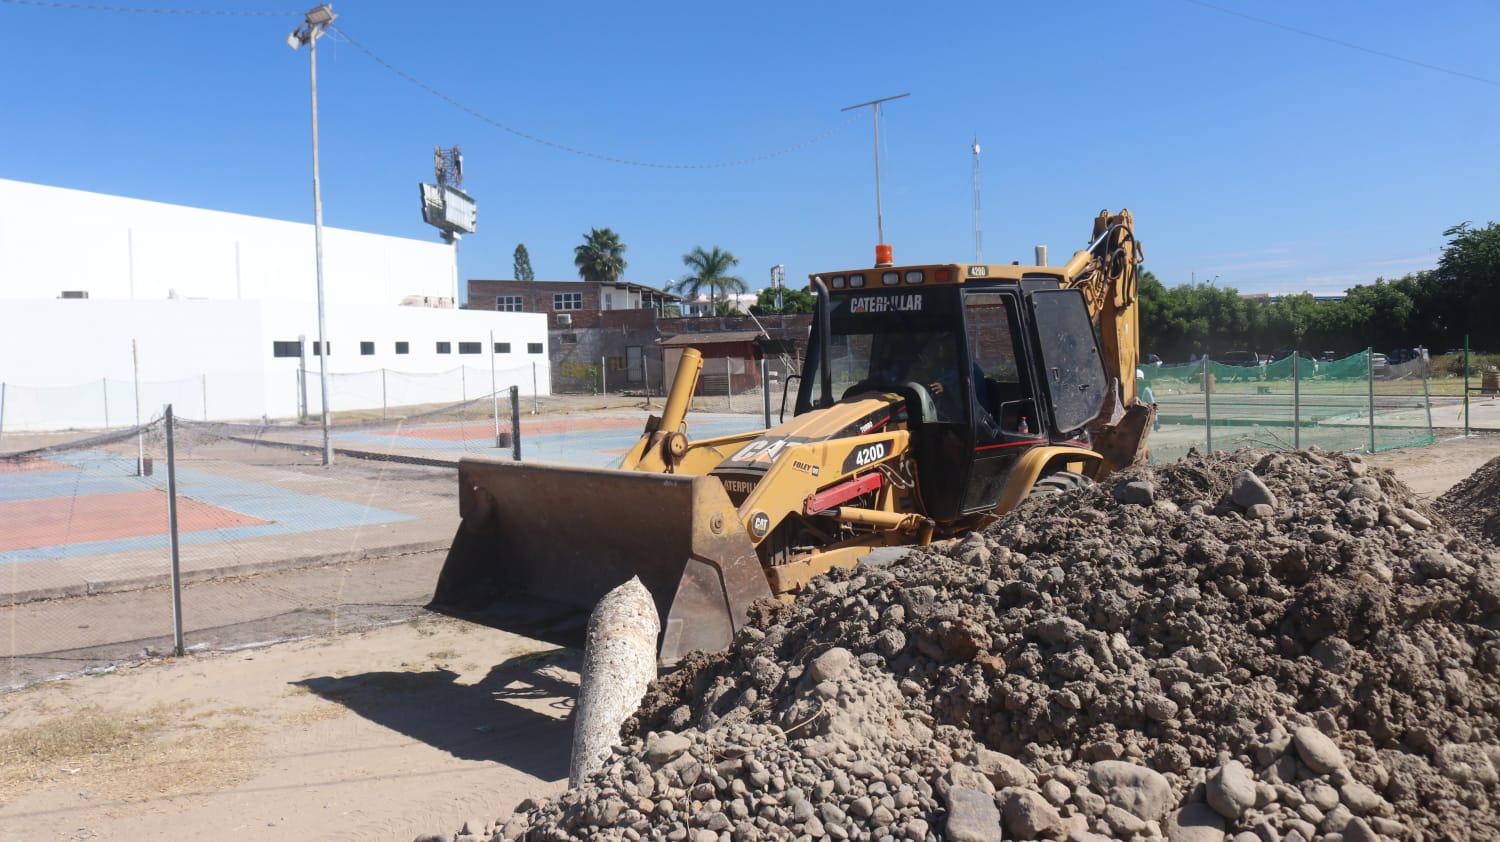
1346 44
142 10
573 150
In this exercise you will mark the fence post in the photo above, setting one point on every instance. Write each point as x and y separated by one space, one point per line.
463 384
104 386
765 395
1466 385
302 377
603 378
728 385
1208 405
384 404
140 435
204 390
535 401
172 536
2 409
494 390
1296 401
515 423
1426 395
1370 379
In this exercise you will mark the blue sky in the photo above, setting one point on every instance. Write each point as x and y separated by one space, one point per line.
1272 160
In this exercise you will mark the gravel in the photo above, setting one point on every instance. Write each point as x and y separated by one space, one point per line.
1473 505
1098 664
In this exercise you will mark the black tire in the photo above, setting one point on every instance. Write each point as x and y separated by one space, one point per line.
1059 482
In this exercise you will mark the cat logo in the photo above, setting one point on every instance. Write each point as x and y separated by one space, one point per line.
760 524
799 465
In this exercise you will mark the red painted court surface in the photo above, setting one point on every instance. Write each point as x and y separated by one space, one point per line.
32 466
54 521
479 429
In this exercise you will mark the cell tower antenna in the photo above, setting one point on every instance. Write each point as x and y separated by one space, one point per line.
978 227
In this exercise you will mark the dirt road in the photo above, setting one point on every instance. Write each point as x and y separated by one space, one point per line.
375 735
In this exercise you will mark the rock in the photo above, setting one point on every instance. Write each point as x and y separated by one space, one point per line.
1136 492
829 665
1027 814
1315 749
1230 790
426 837
1249 490
1363 488
1141 791
1195 822
1360 799
472 827
1056 792
1357 830
1321 795
665 747
1002 770
1261 511
972 816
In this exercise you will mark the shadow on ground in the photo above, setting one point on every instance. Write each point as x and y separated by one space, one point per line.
520 714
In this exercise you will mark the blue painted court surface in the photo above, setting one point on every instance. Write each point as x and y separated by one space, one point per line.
594 440
70 494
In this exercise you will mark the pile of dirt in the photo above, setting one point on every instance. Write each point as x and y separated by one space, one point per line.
1265 646
1473 505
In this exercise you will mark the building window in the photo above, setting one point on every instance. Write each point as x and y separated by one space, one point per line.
569 338
403 347
286 349
609 301
567 301
468 347
502 347
445 347
318 349
508 303
533 347
367 349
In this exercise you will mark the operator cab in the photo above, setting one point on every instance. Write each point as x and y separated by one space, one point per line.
988 360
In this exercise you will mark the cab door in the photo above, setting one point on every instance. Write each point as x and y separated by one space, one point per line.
1004 408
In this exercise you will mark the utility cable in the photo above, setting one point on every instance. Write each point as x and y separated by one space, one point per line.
1346 44
142 10
573 150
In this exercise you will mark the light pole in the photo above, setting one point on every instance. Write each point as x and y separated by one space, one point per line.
314 25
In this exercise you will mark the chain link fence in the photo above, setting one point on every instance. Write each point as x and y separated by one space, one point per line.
1359 402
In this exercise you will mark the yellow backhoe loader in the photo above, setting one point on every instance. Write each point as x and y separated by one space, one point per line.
932 399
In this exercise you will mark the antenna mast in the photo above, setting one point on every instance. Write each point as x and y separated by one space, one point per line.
978 227
874 106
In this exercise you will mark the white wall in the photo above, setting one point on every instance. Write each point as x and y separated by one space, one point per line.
67 364
54 239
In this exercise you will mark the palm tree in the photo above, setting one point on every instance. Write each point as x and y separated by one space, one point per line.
601 258
710 269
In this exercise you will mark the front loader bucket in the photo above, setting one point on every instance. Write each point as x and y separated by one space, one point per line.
539 545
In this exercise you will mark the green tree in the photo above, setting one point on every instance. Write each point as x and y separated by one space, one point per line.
1468 281
710 271
521 264
792 301
601 257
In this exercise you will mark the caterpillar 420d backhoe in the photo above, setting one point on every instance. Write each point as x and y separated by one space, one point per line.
932 399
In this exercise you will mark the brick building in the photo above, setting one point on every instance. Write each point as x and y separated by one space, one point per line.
569 304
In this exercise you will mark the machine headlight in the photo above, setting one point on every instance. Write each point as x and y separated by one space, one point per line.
856 281
837 282
890 278
914 276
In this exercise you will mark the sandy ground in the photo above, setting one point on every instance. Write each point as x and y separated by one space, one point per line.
373 735
376 735
1432 470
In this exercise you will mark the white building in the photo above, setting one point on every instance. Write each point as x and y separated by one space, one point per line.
215 304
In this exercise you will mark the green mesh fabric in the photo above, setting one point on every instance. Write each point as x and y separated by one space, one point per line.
1287 403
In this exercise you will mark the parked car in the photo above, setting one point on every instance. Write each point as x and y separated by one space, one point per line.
1380 365
1240 358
